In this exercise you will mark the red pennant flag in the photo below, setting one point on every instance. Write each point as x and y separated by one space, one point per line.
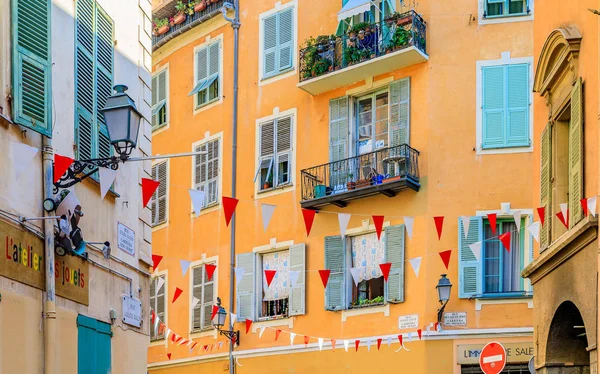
385 269
378 221
419 333
156 259
178 292
324 276
173 337
561 218
445 255
584 206
169 355
214 312
205 348
210 270
277 332
61 165
229 204
333 344
248 324
356 344
309 217
400 338
435 326
505 239
492 219
379 343
269 275
178 339
148 188
193 345
541 214
306 340
152 316
439 223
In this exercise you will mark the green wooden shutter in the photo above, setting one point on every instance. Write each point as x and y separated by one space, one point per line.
84 79
399 112
576 155
284 151
338 128
159 99
245 287
394 253
298 293
32 65
286 38
517 112
469 269
493 106
104 77
270 58
93 346
546 185
335 260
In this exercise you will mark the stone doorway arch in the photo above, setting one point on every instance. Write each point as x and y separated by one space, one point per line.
566 351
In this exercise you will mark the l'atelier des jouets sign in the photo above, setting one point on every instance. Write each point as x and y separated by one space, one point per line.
515 352
23 260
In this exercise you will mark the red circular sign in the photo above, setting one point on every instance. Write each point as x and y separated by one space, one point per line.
492 358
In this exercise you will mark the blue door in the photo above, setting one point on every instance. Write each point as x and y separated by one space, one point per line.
93 346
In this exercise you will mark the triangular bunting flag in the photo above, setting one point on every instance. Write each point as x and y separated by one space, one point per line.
355 275
476 249
445 256
563 208
262 330
439 224
269 275
369 345
436 326
215 310
197 200
379 340
156 259
324 276
277 332
22 157
492 220
293 277
160 281
343 219
61 165
167 334
248 324
356 344
541 214
306 340
389 341
309 217
210 270
466 222
517 217
416 265
169 356
239 274
292 336
505 239
107 177
196 301
229 204
564 219
584 206
385 269
67 206
419 333
320 341
534 230
400 339
233 317
408 223
185 265
148 188
267 214
591 204
178 292
346 344
378 221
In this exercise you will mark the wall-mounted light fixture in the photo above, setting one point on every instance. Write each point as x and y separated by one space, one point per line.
443 289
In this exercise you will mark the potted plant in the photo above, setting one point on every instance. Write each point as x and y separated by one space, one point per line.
200 6
171 21
351 184
161 26
268 182
189 8
180 8
401 38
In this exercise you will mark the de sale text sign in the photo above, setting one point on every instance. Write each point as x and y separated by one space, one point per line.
23 260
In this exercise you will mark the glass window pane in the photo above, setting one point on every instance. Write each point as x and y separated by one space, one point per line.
516 7
494 9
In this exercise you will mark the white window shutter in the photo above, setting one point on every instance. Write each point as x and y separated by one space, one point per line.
267 139
469 269
298 293
197 293
154 100
517 102
335 261
202 64
213 62
270 57
207 299
399 112
394 253
338 129
286 38
245 287
158 203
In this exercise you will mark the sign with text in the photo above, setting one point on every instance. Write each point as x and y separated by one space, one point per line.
493 358
455 319
71 278
125 239
469 354
132 311
410 321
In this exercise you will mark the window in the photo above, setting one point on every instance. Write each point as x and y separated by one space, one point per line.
508 369
93 78
364 252
158 203
158 300
372 122
208 66
275 154
379 10
206 172
93 346
278 43
203 290
258 301
160 89
503 8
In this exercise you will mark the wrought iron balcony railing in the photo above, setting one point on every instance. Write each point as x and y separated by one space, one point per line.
363 42
385 171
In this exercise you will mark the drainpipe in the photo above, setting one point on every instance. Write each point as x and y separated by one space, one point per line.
50 304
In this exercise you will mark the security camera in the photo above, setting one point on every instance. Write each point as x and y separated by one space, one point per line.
106 250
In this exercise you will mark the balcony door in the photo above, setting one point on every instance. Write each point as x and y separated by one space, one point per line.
372 122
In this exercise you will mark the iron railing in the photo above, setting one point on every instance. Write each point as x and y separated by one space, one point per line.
364 42
375 168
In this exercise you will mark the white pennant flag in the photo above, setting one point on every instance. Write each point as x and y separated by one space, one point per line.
591 204
369 345
195 302
239 274
22 157
346 343
320 340
408 223
168 333
160 281
293 276
262 330
356 275
233 317
156 321
389 341
466 221
517 216
343 219
185 265
563 209
197 200
476 249
267 214
292 336
410 336
68 204
416 265
534 230
107 177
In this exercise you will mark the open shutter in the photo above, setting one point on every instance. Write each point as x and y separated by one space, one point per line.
245 287
84 79
159 99
399 112
270 58
546 186
493 107
284 149
517 131
197 293
32 65
208 299
298 293
338 129
394 253
575 155
160 306
286 38
335 260
104 77
469 269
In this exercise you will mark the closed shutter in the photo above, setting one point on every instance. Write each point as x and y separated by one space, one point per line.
338 129
493 106
159 198
394 253
278 42
469 269
546 186
213 59
161 298
32 65
298 293
197 293
286 38
245 287
93 346
206 171
270 46
517 132
104 76
266 151
84 80
202 64
576 155
208 295
335 261
399 112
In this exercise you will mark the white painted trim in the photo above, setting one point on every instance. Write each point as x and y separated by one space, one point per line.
385 309
526 300
500 214
203 260
507 19
369 85
166 224
365 228
208 138
504 60
164 342
273 246
289 322
292 185
168 104
209 41
261 30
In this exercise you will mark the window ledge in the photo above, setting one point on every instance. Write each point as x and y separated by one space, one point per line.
503 299
490 20
208 105
157 130
158 342
385 309
281 75
275 190
288 321
203 333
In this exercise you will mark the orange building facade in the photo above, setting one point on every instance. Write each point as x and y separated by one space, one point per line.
404 111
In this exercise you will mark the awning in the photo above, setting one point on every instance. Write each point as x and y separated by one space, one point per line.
158 106
204 83
354 7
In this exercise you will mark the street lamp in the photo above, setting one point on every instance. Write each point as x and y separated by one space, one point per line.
219 321
443 289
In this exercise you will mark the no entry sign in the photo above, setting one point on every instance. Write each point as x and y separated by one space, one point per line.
492 358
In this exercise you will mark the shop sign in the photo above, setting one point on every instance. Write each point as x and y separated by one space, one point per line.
410 321
455 319
132 311
469 354
125 239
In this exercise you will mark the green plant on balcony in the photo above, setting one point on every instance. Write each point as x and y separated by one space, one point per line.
367 302
312 56
190 7
161 26
400 39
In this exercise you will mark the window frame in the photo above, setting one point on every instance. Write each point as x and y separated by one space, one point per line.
261 22
202 331
219 81
487 20
355 128
506 5
165 318
219 138
350 286
259 286
160 225
163 69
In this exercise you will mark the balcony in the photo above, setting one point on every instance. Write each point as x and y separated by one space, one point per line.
385 171
167 11
365 50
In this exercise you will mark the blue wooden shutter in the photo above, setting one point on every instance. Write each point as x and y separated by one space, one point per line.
493 107
285 38
245 287
32 65
469 269
517 111
335 260
104 77
298 293
93 346
394 253
270 57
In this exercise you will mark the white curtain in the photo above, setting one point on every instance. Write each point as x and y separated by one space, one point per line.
279 288
367 253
